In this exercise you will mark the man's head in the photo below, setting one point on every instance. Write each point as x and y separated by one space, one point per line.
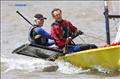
57 14
39 19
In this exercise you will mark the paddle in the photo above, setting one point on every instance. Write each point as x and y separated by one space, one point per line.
24 17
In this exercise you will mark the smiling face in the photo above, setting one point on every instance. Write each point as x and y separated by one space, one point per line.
39 22
57 15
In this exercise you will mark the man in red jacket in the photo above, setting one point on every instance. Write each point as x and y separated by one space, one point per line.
63 32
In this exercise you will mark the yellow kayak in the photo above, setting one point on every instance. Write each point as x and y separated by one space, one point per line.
108 58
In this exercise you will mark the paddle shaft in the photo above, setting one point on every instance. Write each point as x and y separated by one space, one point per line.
24 17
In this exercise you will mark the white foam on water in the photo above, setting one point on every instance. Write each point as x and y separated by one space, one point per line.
67 68
28 64
100 69
40 65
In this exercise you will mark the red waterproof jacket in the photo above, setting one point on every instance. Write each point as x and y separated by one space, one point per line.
57 32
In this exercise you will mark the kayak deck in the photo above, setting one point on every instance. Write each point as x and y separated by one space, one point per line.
108 58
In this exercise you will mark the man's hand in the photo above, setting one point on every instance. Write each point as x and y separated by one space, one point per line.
79 32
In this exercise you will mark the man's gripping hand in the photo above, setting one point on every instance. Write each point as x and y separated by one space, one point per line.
79 32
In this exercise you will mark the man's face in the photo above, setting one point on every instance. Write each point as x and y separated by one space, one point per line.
39 22
57 15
